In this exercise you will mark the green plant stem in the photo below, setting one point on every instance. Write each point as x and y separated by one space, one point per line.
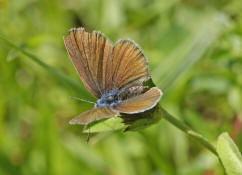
192 134
183 127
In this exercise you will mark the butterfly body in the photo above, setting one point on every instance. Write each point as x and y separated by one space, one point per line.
116 96
112 73
109 99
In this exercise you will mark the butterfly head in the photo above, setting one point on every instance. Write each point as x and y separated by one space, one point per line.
110 98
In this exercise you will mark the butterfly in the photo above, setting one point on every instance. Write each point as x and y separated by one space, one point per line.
114 74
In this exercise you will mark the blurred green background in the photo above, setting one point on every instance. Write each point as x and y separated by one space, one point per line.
195 53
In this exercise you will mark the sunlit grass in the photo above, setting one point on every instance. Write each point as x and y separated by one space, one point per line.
194 50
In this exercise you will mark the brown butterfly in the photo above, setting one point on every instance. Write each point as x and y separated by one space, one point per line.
113 74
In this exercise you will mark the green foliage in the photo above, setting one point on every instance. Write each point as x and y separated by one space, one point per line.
111 124
229 154
194 51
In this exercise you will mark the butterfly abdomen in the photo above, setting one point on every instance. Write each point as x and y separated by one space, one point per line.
133 91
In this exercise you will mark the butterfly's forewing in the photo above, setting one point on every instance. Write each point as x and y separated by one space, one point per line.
103 67
90 54
129 65
141 102
94 114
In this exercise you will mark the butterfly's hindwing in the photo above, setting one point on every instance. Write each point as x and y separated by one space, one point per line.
140 103
97 113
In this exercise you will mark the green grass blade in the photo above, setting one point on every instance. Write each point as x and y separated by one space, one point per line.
60 76
204 32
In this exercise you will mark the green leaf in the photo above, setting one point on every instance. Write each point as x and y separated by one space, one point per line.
111 124
229 155
140 121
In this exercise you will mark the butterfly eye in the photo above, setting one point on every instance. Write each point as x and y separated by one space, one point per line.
110 98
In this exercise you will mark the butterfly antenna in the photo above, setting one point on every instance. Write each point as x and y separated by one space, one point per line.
76 98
